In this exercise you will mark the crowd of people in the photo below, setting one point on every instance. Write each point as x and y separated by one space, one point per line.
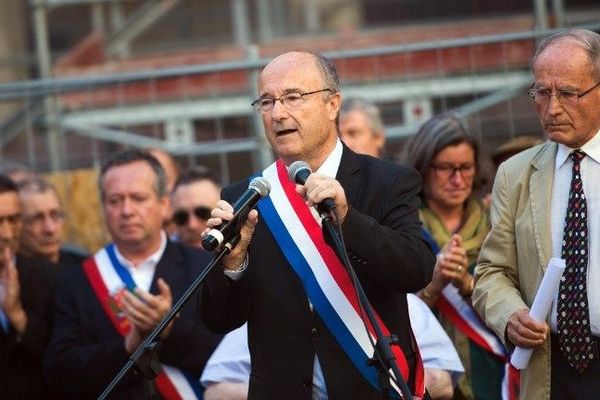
450 275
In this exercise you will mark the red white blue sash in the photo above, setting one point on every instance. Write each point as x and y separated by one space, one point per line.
462 314
298 233
106 275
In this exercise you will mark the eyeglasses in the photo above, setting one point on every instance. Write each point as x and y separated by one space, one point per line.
289 100
182 217
445 171
39 218
565 97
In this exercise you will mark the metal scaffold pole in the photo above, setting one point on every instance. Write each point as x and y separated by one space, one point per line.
44 65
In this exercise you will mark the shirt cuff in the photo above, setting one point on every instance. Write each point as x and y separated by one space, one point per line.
237 274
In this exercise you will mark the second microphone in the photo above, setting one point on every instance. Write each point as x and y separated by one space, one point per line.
258 188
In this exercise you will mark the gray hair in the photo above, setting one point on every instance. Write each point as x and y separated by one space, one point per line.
331 78
435 135
328 72
588 40
37 185
370 110
131 156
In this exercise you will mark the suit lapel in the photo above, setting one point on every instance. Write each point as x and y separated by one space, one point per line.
540 193
169 268
348 174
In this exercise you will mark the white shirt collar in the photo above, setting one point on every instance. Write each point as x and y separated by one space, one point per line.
591 148
332 163
152 260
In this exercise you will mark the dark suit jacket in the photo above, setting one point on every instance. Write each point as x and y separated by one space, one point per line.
68 258
21 357
86 351
384 239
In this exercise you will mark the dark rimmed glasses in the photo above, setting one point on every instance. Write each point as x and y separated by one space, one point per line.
445 171
182 217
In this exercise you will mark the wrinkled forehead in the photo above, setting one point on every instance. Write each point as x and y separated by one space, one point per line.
34 201
135 176
290 71
197 192
563 58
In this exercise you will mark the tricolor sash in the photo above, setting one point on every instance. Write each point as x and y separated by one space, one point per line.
326 282
109 279
464 317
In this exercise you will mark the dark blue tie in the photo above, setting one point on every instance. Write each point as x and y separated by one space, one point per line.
573 320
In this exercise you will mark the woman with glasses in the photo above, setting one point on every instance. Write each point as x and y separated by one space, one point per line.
456 222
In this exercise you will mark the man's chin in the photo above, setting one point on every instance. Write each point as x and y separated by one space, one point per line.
128 240
560 136
48 252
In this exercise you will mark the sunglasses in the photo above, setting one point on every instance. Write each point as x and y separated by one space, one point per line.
182 217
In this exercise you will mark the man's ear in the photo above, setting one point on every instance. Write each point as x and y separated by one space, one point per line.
380 140
165 201
334 103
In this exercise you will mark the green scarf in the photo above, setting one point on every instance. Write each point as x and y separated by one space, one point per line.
473 231
483 372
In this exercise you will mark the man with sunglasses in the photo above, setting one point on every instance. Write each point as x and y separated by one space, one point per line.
195 194
546 203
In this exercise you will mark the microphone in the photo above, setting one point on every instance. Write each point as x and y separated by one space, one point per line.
299 172
258 188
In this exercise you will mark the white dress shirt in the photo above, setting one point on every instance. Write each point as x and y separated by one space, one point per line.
590 175
144 273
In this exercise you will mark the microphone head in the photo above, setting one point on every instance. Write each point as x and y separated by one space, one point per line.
299 169
260 185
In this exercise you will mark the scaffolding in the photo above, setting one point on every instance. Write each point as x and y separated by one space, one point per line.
63 123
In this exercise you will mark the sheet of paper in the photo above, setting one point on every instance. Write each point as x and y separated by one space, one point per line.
541 306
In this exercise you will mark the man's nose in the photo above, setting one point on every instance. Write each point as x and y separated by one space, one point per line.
196 223
6 231
279 110
126 207
554 105
51 224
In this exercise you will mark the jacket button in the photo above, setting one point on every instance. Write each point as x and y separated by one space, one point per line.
314 331
306 383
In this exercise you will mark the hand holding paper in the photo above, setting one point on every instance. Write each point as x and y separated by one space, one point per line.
541 306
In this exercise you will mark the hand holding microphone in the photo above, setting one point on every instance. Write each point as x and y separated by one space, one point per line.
322 192
227 221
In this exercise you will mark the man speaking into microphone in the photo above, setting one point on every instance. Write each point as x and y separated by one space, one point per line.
305 332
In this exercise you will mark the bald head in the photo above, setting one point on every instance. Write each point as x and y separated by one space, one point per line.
301 91
587 40
294 59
